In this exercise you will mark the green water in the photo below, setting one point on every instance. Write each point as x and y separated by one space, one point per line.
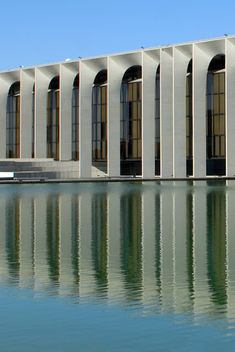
117 267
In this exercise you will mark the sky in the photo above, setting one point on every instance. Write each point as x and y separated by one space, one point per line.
36 32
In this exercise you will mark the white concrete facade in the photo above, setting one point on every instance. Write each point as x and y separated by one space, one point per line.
173 61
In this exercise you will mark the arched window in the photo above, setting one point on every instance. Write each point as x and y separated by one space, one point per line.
53 115
99 117
189 121
75 119
216 135
131 119
13 122
157 123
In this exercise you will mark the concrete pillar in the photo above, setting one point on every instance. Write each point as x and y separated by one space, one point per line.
150 64
68 73
85 132
41 89
230 107
181 61
115 74
200 66
26 112
166 112
3 103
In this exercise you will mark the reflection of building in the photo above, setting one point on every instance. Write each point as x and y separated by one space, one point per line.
161 247
166 112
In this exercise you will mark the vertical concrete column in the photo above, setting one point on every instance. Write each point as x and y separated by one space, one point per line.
85 132
200 66
41 89
166 112
230 107
67 76
149 67
5 86
180 64
26 112
115 73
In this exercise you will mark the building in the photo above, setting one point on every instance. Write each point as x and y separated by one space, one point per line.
166 112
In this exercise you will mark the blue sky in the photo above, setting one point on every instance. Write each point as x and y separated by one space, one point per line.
39 32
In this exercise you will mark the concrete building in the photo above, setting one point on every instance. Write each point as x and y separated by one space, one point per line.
166 112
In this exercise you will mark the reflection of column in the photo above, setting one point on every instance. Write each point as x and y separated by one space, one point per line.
216 248
190 244
230 202
113 225
99 241
167 249
87 284
13 237
202 299
3 251
41 271
158 246
75 254
131 245
66 278
26 242
180 238
53 238
149 237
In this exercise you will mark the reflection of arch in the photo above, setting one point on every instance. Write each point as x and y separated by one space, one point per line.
53 113
13 122
75 119
216 136
131 118
157 123
189 121
99 117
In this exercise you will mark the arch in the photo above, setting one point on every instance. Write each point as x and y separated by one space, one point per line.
189 120
130 122
216 134
13 122
157 123
53 118
99 119
75 119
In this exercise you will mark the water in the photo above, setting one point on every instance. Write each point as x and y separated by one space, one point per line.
117 267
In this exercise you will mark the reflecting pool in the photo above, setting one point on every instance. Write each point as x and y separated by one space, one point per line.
117 267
